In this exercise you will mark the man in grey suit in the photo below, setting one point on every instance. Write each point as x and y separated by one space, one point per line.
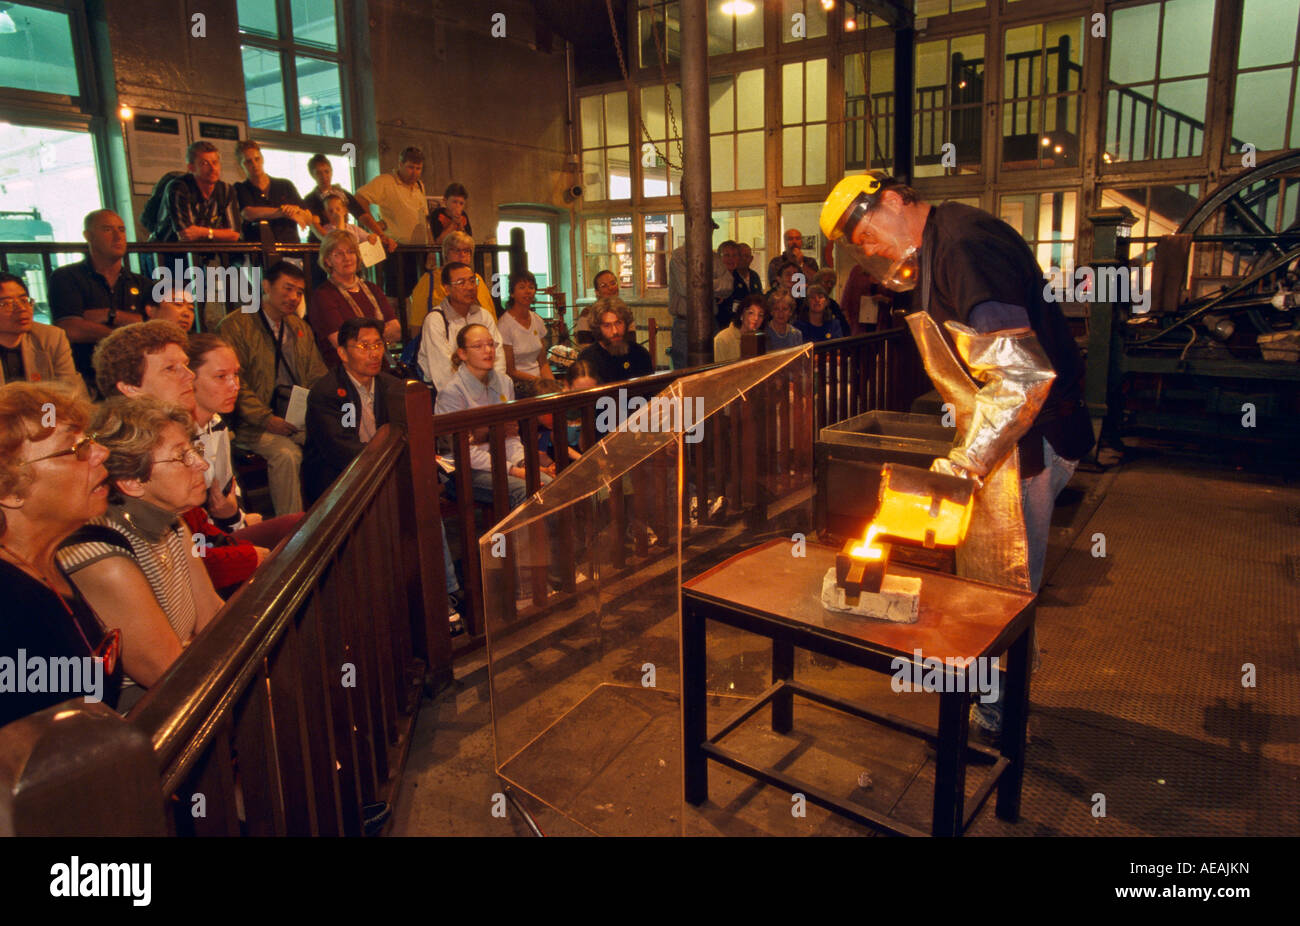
29 351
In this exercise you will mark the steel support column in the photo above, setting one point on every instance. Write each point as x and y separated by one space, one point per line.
696 182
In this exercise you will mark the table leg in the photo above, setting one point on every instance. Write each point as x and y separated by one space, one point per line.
694 707
950 764
1015 714
783 702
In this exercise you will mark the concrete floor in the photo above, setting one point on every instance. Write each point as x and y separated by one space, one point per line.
1139 698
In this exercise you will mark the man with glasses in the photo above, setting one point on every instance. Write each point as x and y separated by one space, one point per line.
430 291
458 309
29 351
347 405
793 253
92 297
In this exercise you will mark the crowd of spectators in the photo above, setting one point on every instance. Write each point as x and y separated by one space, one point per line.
102 506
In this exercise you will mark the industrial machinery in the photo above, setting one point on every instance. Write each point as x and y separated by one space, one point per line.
1216 354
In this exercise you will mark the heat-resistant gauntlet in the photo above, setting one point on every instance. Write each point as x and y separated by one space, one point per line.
1015 377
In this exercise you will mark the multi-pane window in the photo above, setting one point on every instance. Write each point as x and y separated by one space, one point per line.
1041 91
659 32
1158 80
607 245
606 171
735 25
736 124
1267 109
1159 211
803 123
743 226
1047 221
660 153
802 19
869 111
293 67
949 104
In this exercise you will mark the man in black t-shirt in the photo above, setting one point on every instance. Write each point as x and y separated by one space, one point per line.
270 199
979 281
614 358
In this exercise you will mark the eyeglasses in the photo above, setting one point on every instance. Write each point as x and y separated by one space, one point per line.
468 281
370 347
82 450
190 456
17 302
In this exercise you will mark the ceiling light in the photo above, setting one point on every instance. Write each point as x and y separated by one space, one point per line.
1058 149
1046 141
124 113
850 25
828 4
737 8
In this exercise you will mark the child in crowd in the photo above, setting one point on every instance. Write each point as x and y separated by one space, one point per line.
780 333
337 215
451 215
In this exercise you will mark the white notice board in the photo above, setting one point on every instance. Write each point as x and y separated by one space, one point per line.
156 142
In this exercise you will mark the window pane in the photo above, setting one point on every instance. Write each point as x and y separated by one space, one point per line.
749 161
722 166
815 153
659 38
36 54
1133 33
258 17
810 14
1185 45
663 234
1024 65
1295 122
593 127
749 27
620 174
320 101
1126 122
722 104
792 93
1268 32
264 89
815 91
1258 124
1176 136
593 175
653 113
598 253
749 100
792 157
720 27
313 23
616 118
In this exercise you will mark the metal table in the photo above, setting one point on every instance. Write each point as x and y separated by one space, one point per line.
768 591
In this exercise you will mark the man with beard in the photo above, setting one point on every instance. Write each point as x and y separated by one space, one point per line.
613 357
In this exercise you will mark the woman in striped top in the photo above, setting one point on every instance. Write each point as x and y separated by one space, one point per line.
135 565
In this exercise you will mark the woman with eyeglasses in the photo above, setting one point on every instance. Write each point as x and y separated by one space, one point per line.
139 569
52 481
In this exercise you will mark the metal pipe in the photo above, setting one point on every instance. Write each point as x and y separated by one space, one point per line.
696 182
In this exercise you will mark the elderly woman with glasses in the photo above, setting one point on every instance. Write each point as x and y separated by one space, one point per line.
430 291
51 483
138 565
345 295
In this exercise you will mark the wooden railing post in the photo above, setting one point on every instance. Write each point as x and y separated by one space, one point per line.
78 769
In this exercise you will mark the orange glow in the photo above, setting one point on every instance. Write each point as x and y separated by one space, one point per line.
868 549
903 516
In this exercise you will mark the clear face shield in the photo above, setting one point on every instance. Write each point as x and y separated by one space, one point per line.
879 233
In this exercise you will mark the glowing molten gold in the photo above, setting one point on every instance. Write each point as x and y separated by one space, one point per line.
868 549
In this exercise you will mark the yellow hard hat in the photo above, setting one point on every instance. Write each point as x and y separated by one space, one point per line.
850 201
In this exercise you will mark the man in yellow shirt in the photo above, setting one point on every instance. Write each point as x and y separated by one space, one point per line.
456 246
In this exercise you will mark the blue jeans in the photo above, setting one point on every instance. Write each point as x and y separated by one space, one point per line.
678 350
